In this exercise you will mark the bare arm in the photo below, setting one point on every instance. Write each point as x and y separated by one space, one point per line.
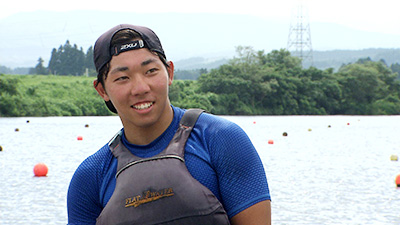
258 214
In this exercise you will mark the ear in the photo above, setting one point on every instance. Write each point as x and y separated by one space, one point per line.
170 70
100 89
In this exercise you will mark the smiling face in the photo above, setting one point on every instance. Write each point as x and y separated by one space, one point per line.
137 85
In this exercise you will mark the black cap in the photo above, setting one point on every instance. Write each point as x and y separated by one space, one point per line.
103 51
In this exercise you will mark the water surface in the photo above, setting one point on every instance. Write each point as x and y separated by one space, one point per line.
328 170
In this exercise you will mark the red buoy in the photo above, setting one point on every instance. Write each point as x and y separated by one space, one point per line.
40 170
270 142
398 180
80 138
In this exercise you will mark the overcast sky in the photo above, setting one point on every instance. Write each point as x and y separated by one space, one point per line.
26 38
369 15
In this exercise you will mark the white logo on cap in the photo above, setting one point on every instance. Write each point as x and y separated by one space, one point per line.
131 45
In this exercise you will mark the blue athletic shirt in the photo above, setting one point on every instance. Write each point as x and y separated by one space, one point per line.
218 153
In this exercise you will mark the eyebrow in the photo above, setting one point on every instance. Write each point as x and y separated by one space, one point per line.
147 62
119 69
125 68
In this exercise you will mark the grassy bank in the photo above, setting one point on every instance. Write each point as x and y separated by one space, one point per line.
47 95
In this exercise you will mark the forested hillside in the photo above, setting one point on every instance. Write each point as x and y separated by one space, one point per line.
254 83
70 59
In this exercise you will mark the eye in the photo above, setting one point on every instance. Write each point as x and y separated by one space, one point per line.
121 78
152 70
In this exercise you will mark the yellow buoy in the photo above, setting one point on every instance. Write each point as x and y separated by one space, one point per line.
394 158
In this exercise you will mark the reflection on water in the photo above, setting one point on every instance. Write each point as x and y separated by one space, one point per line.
327 170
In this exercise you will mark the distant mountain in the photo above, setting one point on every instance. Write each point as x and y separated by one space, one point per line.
321 59
336 58
199 63
29 35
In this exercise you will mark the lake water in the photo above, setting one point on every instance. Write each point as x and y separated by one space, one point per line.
327 170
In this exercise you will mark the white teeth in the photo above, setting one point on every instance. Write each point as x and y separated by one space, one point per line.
143 106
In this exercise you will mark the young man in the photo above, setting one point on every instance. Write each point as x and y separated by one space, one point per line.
160 168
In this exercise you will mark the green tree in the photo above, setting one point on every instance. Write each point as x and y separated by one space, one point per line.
365 83
254 83
67 60
55 61
282 60
89 64
39 68
396 69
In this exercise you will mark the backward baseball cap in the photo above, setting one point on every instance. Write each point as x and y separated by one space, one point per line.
103 51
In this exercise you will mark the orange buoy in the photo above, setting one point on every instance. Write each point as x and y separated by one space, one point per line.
80 138
398 180
40 170
270 142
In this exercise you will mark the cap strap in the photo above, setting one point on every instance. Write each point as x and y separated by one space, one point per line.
119 48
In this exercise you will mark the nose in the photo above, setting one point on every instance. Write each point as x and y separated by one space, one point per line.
140 86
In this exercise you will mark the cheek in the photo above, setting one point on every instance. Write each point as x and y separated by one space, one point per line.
166 83
113 92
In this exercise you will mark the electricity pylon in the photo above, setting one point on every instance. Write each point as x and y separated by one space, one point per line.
299 40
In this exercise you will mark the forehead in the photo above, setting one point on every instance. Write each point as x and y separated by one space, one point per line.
137 56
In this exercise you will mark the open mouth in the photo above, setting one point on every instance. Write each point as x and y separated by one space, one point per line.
142 106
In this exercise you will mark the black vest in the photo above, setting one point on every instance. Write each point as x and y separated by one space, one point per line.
160 189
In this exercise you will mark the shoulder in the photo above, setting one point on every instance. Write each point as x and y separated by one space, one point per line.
220 138
208 123
83 200
219 122
205 119
98 162
237 165
219 129
212 131
91 171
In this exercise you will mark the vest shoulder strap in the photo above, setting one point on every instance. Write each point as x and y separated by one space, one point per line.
190 117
